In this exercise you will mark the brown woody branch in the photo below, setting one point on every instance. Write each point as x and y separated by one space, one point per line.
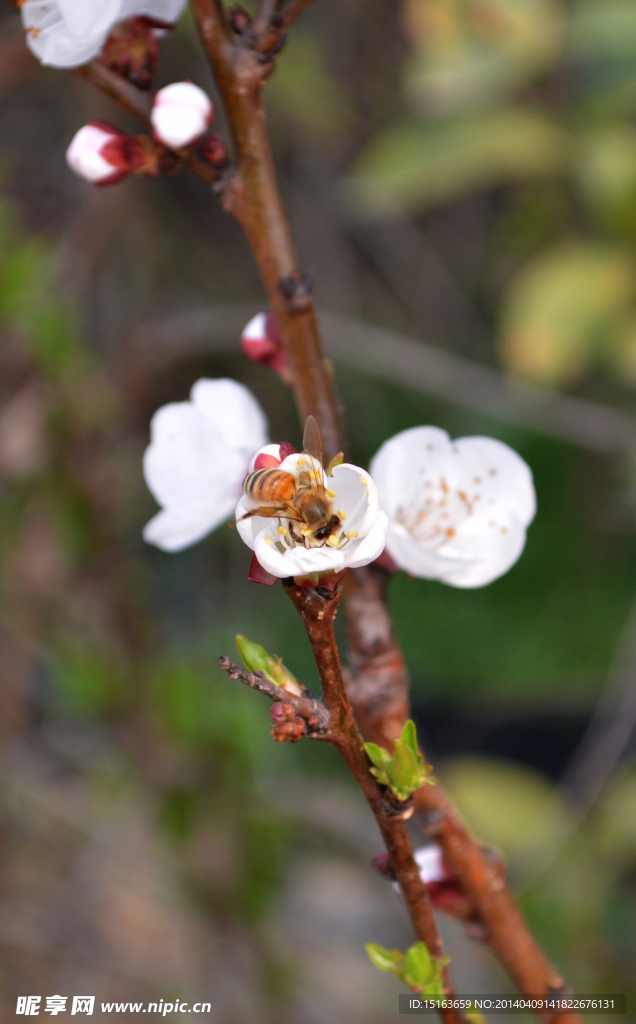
378 688
252 195
317 610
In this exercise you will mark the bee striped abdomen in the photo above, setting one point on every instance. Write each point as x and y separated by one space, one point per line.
270 486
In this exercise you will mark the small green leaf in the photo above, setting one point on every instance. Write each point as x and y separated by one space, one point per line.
420 970
385 959
380 757
256 659
405 771
409 736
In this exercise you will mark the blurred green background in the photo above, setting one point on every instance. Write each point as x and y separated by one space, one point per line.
461 173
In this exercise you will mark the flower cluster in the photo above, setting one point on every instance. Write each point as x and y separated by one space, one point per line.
67 33
454 511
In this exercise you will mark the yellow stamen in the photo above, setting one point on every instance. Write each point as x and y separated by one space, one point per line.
282 531
352 534
363 481
331 493
333 541
268 540
341 514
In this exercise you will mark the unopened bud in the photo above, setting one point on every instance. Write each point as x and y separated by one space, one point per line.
181 114
280 712
214 151
101 153
262 342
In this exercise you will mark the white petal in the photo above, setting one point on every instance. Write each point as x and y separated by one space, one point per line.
234 412
162 10
84 157
185 460
371 546
56 42
89 17
180 526
297 561
256 329
395 467
429 861
502 474
356 495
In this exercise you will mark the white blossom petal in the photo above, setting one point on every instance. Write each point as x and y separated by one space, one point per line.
196 462
67 33
458 511
180 114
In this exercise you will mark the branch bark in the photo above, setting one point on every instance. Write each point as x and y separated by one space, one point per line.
378 688
252 195
318 613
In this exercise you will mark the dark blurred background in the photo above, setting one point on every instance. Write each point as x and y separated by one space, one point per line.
461 180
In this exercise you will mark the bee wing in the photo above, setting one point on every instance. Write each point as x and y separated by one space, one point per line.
312 446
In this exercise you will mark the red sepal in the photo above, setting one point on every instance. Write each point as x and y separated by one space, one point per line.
259 575
326 580
286 449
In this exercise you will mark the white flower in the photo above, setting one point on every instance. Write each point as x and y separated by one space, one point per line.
458 510
430 862
66 33
97 153
355 500
197 460
181 114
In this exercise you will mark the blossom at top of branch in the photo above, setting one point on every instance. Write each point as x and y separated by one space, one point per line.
278 542
458 510
198 456
181 114
67 33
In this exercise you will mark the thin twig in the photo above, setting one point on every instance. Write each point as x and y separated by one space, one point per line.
307 706
274 33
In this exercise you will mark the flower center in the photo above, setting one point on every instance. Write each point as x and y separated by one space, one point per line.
436 513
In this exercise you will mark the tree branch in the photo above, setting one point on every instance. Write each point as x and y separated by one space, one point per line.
252 195
318 613
378 688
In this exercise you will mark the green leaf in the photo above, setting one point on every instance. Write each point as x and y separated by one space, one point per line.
256 659
415 165
385 959
409 736
378 755
562 309
404 771
417 968
420 970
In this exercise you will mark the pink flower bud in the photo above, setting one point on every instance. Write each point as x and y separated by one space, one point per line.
101 153
181 114
261 342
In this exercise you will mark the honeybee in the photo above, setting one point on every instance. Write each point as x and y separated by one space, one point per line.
303 500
